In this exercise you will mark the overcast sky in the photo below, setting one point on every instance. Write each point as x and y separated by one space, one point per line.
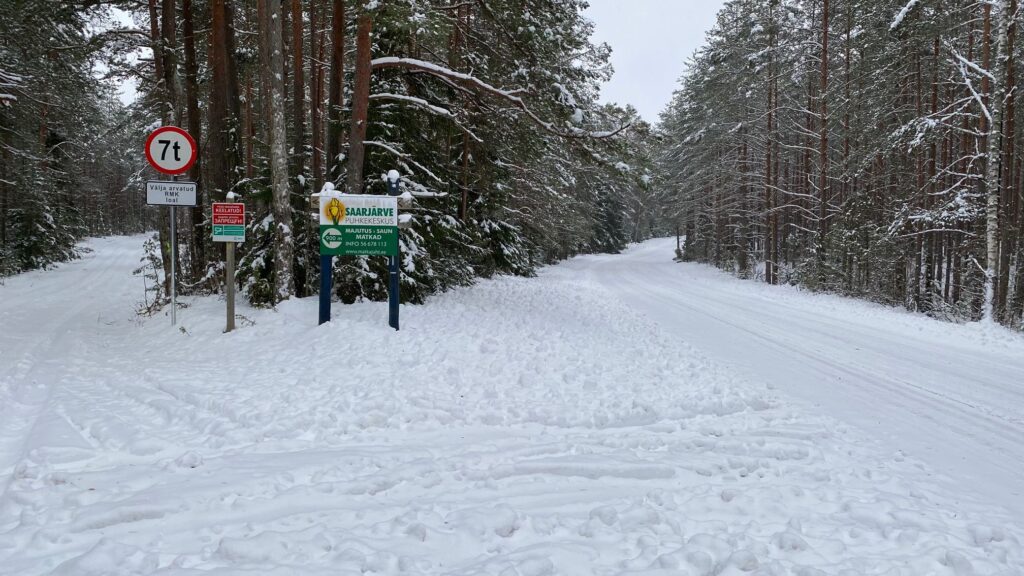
651 41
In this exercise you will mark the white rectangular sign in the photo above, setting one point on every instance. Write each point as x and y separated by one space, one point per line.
168 193
358 210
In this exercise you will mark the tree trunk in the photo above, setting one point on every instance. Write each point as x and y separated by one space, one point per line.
992 173
195 129
223 154
298 100
316 93
5 163
360 102
823 145
336 92
158 67
1008 190
931 239
272 64
769 236
169 45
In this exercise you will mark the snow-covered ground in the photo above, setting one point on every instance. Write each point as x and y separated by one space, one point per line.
557 425
952 396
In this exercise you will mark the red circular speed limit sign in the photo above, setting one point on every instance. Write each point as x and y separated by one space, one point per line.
171 150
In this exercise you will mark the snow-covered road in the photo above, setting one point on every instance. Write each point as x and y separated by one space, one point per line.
51 321
558 425
952 396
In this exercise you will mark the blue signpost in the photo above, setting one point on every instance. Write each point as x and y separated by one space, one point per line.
393 272
326 271
359 225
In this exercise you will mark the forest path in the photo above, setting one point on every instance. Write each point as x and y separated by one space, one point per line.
951 396
53 322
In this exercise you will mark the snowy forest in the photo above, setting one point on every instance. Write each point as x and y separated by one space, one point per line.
488 109
861 147
865 147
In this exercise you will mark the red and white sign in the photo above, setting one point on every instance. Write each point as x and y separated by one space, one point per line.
228 222
229 214
171 150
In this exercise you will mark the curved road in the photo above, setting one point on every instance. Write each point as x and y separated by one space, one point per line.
950 396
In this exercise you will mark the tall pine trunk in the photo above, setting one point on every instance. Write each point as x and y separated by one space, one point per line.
1007 225
823 145
223 155
272 64
360 102
769 223
195 129
335 93
158 68
316 91
298 132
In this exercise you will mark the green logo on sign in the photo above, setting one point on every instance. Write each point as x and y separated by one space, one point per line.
331 238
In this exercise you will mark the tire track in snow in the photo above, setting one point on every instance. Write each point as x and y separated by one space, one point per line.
950 402
47 312
870 376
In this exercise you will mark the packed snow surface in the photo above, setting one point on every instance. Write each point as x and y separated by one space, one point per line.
952 396
523 427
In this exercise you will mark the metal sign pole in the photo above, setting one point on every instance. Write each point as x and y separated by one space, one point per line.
174 262
183 153
174 258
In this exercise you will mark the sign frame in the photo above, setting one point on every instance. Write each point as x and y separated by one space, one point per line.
180 132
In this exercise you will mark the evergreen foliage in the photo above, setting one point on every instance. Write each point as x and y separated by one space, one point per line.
487 109
60 170
844 145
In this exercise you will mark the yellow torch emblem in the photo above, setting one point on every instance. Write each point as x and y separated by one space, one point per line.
334 211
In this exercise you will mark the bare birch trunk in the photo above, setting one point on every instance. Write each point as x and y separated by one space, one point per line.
992 172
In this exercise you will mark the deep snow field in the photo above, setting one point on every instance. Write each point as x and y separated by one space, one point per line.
521 427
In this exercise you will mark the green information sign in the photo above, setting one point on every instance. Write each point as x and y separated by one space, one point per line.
358 240
358 225
228 230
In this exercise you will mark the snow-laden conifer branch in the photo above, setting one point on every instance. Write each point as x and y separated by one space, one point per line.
8 81
974 93
903 14
510 96
421 103
404 157
971 65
